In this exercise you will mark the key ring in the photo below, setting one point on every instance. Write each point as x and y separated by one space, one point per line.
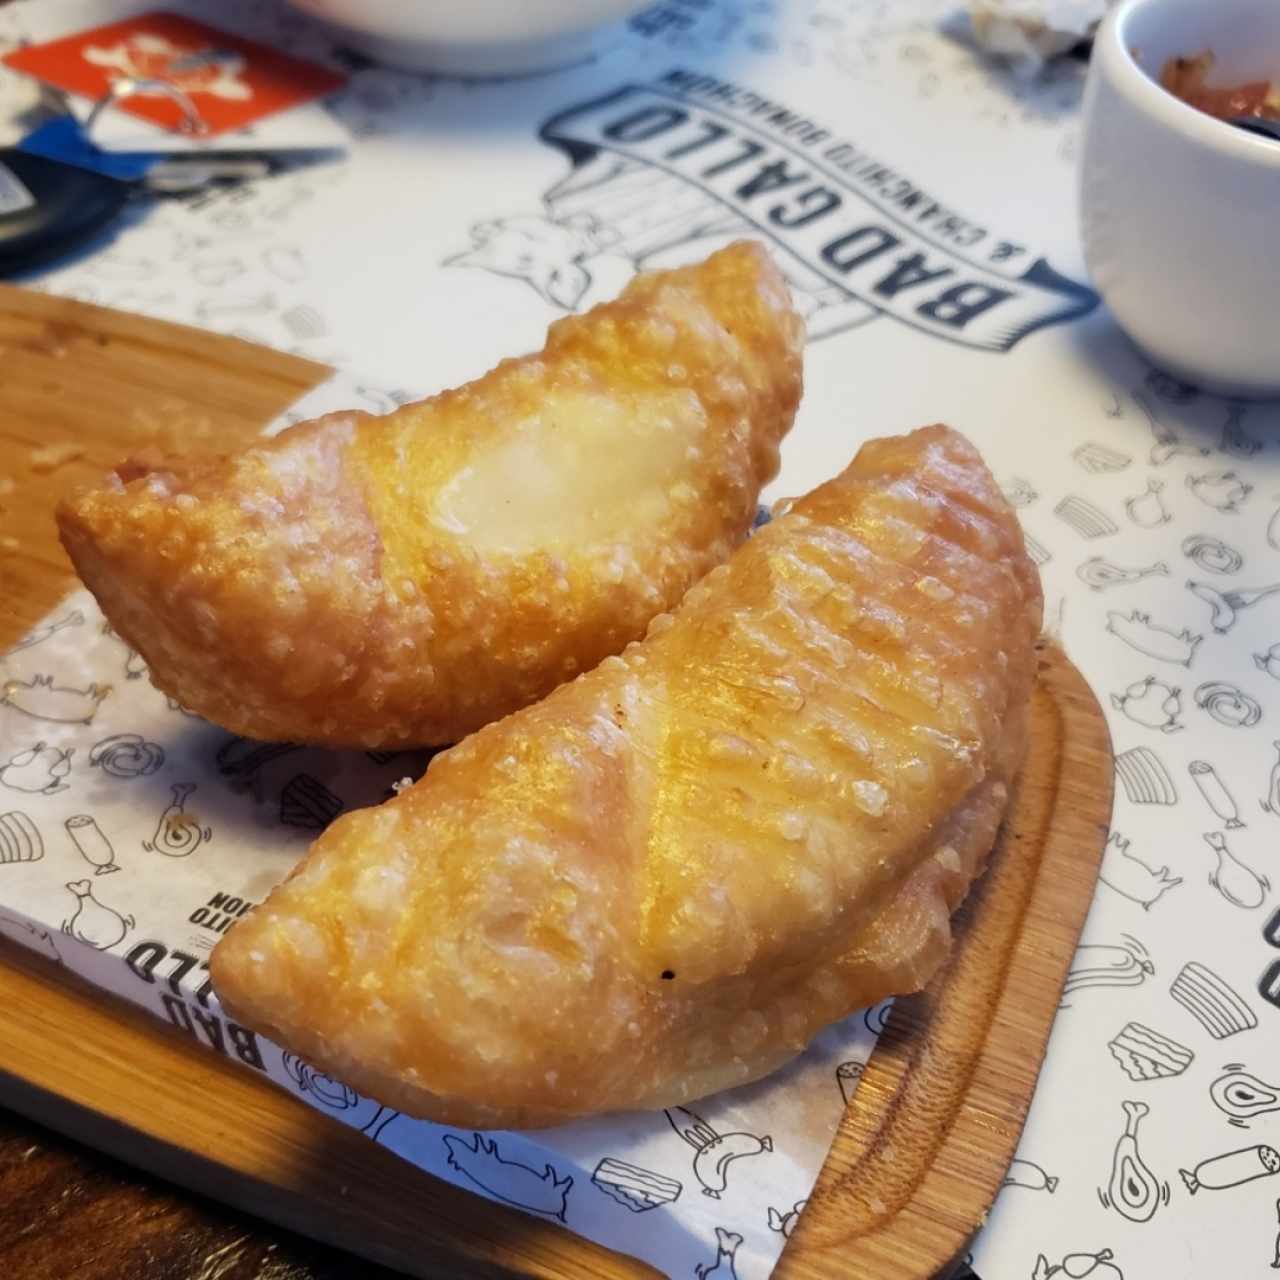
128 87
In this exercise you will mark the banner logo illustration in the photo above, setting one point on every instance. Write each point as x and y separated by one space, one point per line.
664 174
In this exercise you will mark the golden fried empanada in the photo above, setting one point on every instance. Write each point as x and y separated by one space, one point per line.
666 877
402 580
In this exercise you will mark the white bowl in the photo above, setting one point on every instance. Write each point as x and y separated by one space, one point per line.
473 37
1180 211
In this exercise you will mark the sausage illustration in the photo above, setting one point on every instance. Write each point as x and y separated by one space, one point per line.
1232 1169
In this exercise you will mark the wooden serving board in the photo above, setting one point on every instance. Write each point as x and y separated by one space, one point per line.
921 1151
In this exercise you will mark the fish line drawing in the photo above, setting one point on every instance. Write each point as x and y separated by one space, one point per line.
27 933
1269 661
91 844
20 839
1134 1191
785 1223
1132 878
1145 1054
848 1078
1101 459
1028 1174
336 1096
1138 631
1232 1169
92 922
1019 492
1242 1097
1226 606
1233 878
1228 704
714 1152
1211 554
1088 521
38 770
1212 1001
1148 509
1145 778
1215 793
307 803
1222 490
722 1266
1167 443
126 755
178 834
1104 964
1039 553
41 699
480 1162
1151 703
1079 1266
1236 442
1099 573
633 1187
38 635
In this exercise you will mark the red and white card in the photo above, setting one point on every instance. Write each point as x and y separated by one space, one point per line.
233 82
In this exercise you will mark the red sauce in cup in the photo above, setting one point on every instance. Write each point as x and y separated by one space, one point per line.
1185 78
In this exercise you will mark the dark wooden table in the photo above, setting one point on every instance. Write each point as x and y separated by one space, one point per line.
67 1211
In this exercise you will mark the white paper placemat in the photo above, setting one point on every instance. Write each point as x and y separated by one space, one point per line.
887 165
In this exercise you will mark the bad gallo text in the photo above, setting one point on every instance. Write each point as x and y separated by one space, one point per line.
194 1011
848 221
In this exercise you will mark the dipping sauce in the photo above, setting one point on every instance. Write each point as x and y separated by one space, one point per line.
1185 78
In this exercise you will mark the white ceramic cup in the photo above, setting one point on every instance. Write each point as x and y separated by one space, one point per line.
474 37
1181 212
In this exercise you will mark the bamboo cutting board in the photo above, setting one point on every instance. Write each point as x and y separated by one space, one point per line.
922 1149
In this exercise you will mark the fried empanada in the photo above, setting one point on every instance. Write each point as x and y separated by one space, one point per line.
664 879
401 580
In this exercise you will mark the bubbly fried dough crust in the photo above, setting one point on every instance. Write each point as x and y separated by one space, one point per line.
368 581
666 877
